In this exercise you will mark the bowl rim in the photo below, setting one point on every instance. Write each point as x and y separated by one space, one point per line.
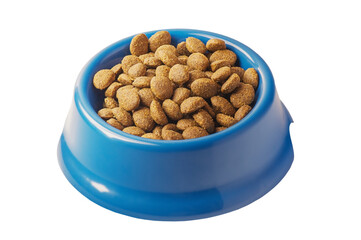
264 100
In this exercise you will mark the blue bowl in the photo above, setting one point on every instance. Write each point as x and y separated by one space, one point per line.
175 180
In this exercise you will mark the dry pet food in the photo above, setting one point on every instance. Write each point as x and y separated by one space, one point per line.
166 92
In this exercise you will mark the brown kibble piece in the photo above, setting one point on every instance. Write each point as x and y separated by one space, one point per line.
242 112
152 62
185 123
243 95
194 132
204 87
219 129
146 96
110 102
152 136
123 116
172 110
218 64
225 120
103 78
183 59
158 39
128 61
143 119
115 123
112 89
147 55
170 126
204 120
128 98
167 54
215 44
137 70
251 77
198 61
139 45
209 110
239 71
182 49
208 74
171 135
227 55
157 113
180 94
125 79
231 84
161 87
221 74
222 105
194 45
150 72
105 113
134 131
192 104
142 82
179 74
117 69
158 131
162 70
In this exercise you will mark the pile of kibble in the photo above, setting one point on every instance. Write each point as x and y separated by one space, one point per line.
165 92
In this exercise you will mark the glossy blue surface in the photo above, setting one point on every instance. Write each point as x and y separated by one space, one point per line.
175 180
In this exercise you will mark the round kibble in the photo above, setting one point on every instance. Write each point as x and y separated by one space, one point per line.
204 87
227 55
238 70
128 98
192 104
243 95
146 96
194 132
158 39
125 79
161 87
179 74
142 82
208 74
171 135
147 55
103 78
134 131
167 54
139 45
183 59
158 131
170 126
123 116
185 123
150 72
225 120
137 70
105 113
231 84
110 102
162 70
251 77
215 44
194 45
152 62
157 113
242 112
204 120
143 119
222 105
221 74
117 69
218 64
115 123
180 94
128 61
209 110
112 89
182 49
172 110
152 136
198 61
219 129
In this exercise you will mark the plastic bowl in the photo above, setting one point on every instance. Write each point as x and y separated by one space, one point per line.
175 180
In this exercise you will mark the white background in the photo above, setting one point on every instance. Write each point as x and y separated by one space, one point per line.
313 49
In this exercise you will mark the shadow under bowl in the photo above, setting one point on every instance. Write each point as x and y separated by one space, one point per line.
175 180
